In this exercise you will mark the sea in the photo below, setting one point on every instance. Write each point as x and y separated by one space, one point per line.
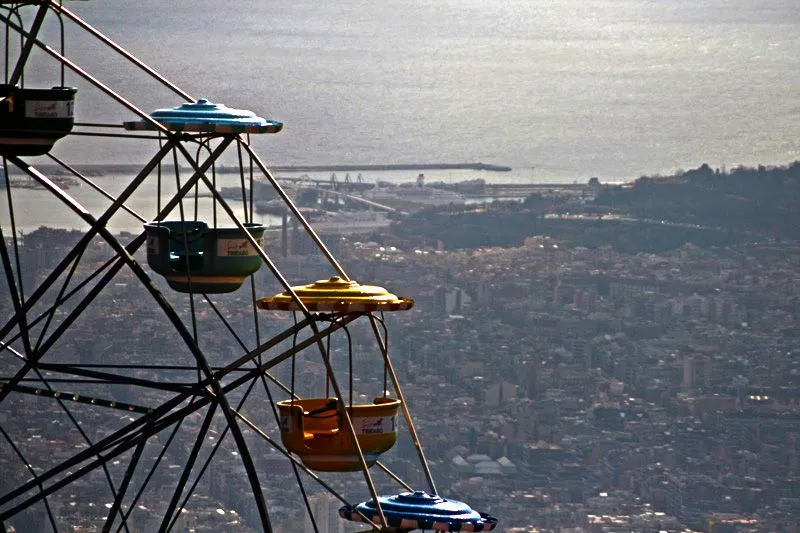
560 91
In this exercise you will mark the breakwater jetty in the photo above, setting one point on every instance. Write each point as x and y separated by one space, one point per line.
381 168
110 168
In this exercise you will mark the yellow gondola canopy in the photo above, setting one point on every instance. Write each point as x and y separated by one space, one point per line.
337 295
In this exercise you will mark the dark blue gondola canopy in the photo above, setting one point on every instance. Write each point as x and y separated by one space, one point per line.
420 510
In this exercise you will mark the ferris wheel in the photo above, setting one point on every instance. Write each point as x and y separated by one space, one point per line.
172 378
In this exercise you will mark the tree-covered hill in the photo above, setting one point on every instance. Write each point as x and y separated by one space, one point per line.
764 201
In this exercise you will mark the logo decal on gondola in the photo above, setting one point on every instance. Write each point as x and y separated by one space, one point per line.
49 109
374 425
237 247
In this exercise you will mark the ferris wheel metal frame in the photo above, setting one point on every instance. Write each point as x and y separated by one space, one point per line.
29 335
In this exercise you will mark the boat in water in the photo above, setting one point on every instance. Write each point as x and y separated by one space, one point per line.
413 193
344 222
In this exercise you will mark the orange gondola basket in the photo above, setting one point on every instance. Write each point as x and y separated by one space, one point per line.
313 429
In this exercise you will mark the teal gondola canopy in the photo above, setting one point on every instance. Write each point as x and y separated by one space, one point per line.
194 257
207 117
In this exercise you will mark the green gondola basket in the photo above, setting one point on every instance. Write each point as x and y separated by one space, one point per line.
194 257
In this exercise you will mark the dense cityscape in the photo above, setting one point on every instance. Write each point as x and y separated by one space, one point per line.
530 339
557 386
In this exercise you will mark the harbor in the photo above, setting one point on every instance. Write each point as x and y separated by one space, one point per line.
327 191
